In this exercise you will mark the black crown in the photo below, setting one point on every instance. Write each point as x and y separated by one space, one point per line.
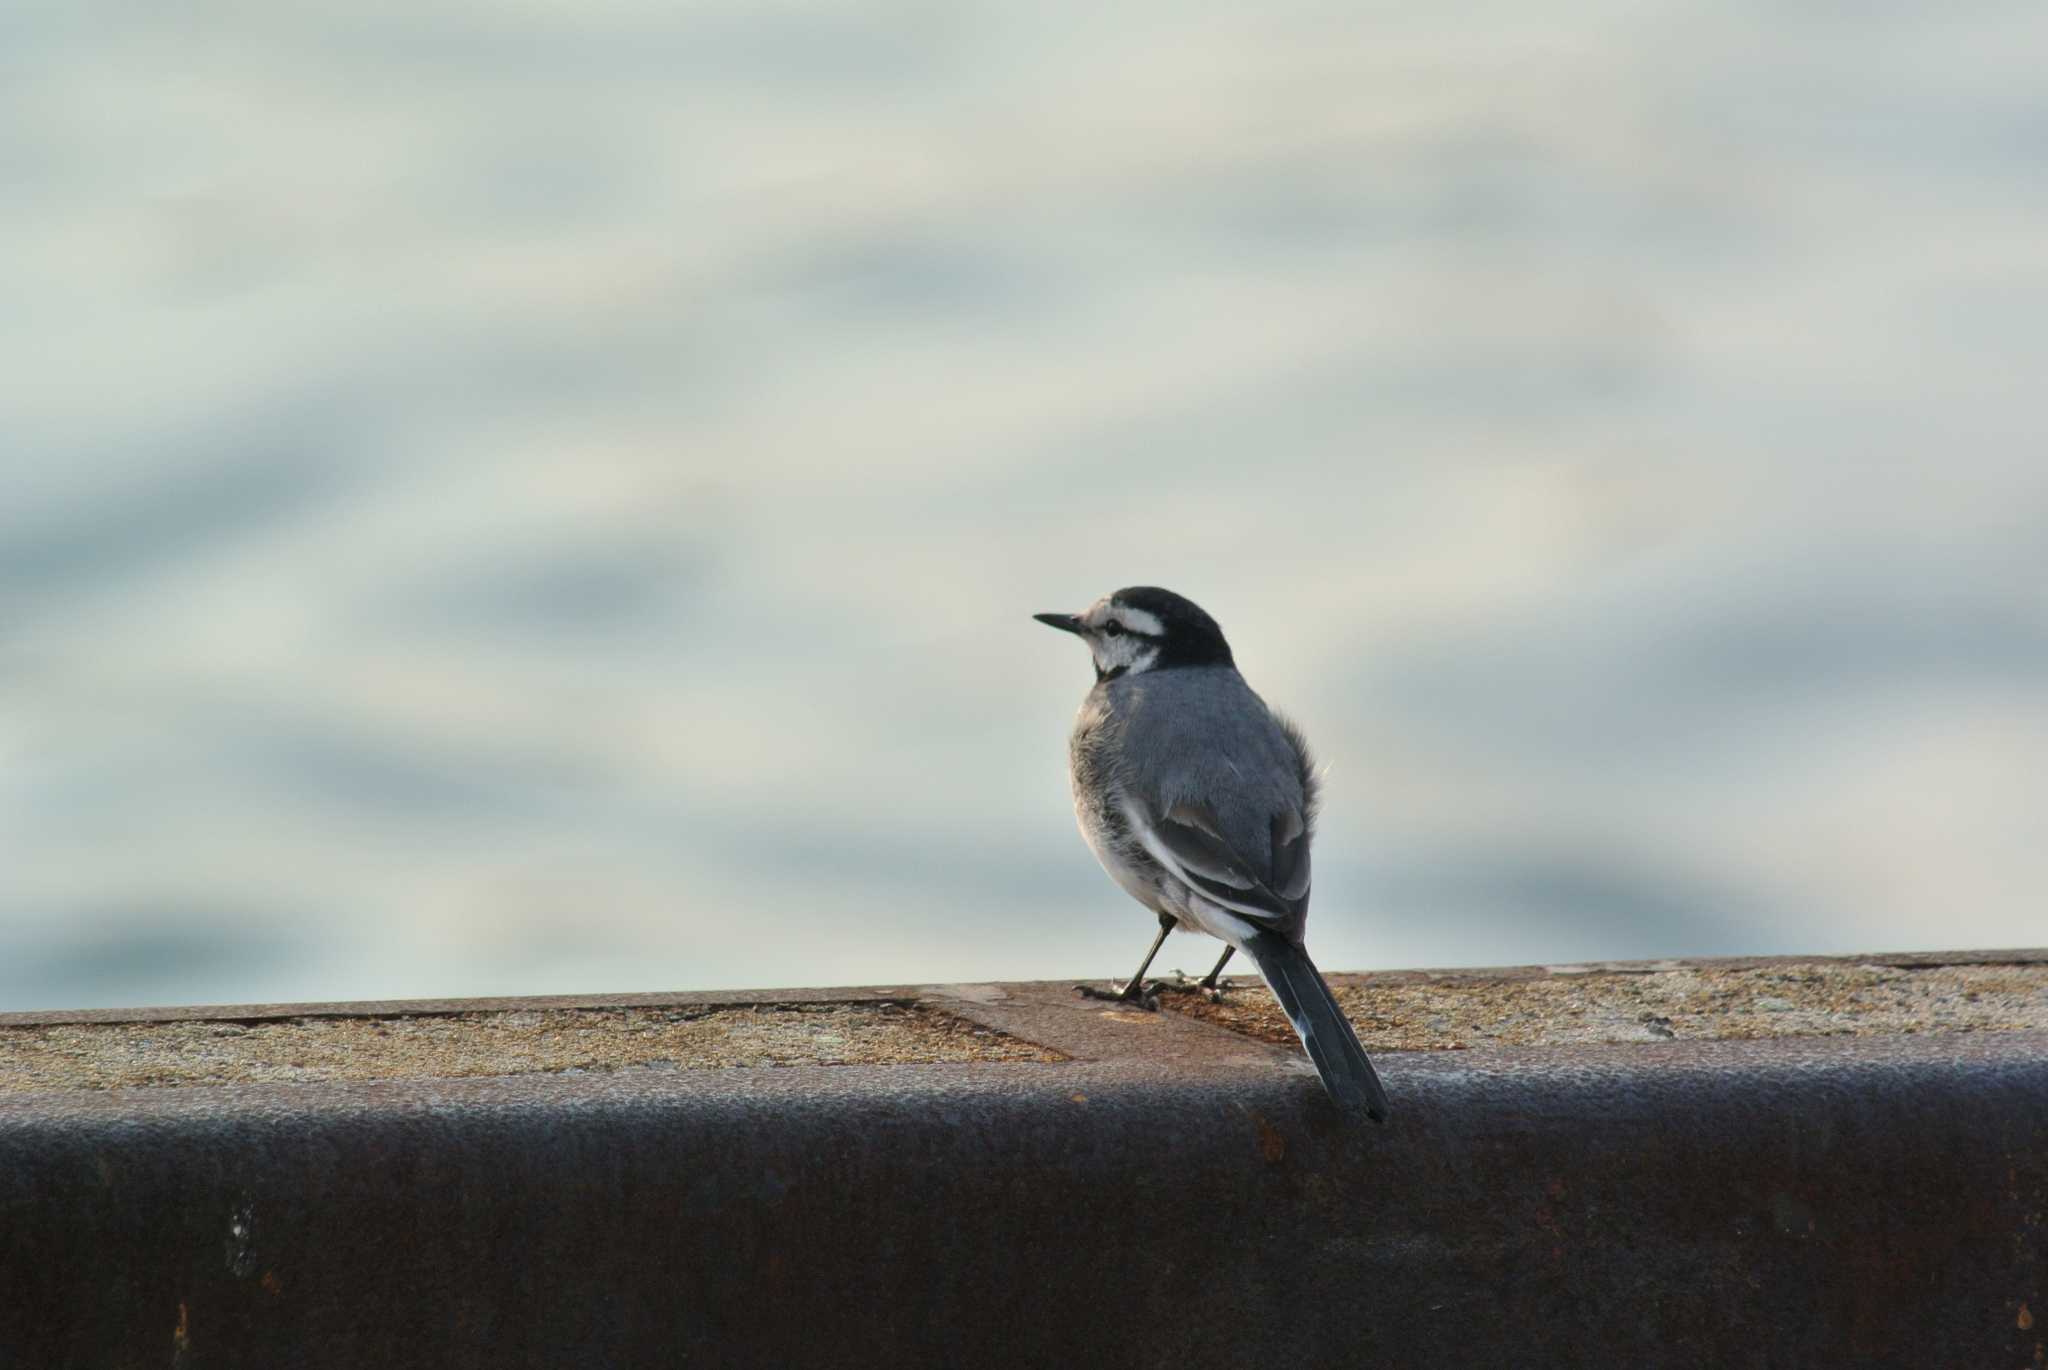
1191 637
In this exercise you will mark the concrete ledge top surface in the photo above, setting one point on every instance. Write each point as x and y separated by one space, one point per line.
1814 1162
654 1035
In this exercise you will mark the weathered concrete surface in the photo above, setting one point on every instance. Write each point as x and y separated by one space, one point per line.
1701 1001
1169 1193
41 1057
1404 1011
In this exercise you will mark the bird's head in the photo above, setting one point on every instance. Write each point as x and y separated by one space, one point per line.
1143 628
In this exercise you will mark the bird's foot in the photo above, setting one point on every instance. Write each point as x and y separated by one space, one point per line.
1145 996
1182 983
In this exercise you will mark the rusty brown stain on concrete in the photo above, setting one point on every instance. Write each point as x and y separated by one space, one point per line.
1272 1142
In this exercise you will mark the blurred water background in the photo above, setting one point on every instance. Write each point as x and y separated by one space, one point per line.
538 496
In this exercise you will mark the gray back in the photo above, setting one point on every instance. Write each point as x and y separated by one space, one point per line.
1199 735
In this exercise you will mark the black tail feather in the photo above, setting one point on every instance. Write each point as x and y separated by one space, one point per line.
1324 1031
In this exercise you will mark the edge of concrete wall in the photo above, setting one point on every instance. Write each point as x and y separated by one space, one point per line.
1170 1193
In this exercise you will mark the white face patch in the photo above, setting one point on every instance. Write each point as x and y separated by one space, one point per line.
1114 636
1138 621
1124 655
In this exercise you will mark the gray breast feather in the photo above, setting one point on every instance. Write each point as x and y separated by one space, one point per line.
1225 785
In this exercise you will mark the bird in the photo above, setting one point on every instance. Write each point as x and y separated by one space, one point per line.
1200 802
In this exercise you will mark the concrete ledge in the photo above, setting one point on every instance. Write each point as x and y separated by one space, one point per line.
1050 1181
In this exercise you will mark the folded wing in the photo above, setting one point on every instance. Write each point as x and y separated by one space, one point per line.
1268 886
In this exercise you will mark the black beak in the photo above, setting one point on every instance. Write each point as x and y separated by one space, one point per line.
1066 623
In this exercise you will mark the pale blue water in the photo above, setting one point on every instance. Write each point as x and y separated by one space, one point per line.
548 497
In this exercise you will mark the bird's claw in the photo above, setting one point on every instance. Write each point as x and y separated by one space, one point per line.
1145 996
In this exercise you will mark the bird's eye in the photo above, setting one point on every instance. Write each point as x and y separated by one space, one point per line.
1112 629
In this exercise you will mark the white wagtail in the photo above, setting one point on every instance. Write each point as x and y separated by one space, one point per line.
1201 802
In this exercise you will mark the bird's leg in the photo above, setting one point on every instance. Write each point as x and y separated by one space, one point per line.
1208 982
1133 990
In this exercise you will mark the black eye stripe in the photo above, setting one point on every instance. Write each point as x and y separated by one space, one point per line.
1117 629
